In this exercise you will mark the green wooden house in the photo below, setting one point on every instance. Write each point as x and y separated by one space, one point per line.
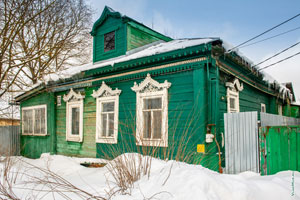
144 92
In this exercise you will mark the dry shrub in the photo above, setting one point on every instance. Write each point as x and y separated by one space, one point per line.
41 182
128 168
7 178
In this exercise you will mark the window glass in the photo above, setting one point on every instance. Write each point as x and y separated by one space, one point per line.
109 41
147 124
152 103
157 120
34 120
107 119
108 107
263 108
279 109
75 121
39 125
111 125
152 114
104 125
28 121
232 103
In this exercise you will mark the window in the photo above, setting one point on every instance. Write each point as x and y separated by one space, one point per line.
107 114
74 116
34 120
233 101
109 41
263 107
152 112
152 118
233 89
279 109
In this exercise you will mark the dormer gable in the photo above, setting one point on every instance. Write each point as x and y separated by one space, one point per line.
114 34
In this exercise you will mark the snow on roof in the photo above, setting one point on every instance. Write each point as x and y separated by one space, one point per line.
158 48
283 90
148 50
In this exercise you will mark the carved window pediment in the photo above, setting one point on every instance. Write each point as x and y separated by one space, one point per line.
150 85
233 89
235 86
73 96
105 91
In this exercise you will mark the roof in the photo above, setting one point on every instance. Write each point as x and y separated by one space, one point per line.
155 48
111 12
152 49
144 51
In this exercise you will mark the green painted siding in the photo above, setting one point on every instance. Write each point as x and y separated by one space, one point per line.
87 148
110 24
34 146
182 118
137 38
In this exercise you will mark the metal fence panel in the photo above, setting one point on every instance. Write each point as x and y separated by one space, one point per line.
241 142
277 120
9 140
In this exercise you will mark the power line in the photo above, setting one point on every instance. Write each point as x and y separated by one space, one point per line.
294 29
277 54
264 32
279 61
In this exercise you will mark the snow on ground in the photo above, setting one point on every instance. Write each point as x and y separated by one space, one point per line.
168 180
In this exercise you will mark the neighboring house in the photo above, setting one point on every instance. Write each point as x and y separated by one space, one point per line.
9 122
144 89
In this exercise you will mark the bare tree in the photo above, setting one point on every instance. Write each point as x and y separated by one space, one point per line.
38 37
59 37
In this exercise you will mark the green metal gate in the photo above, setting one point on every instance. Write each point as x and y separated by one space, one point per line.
279 149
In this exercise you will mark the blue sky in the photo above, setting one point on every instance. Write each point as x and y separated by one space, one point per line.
234 21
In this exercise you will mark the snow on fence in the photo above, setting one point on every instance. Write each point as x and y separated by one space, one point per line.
9 140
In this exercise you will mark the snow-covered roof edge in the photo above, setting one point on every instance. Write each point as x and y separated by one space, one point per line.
281 87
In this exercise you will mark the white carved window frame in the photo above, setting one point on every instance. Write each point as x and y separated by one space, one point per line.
233 89
263 108
74 100
33 108
105 94
149 89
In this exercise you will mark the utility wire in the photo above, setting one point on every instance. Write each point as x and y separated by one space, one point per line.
264 32
270 37
279 61
276 54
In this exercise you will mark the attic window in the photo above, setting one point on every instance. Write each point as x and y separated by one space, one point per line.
109 41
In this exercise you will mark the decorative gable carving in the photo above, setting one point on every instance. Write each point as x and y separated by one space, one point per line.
73 96
105 91
235 85
150 85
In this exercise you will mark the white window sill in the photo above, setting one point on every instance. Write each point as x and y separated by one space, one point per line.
30 134
155 143
107 140
74 139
